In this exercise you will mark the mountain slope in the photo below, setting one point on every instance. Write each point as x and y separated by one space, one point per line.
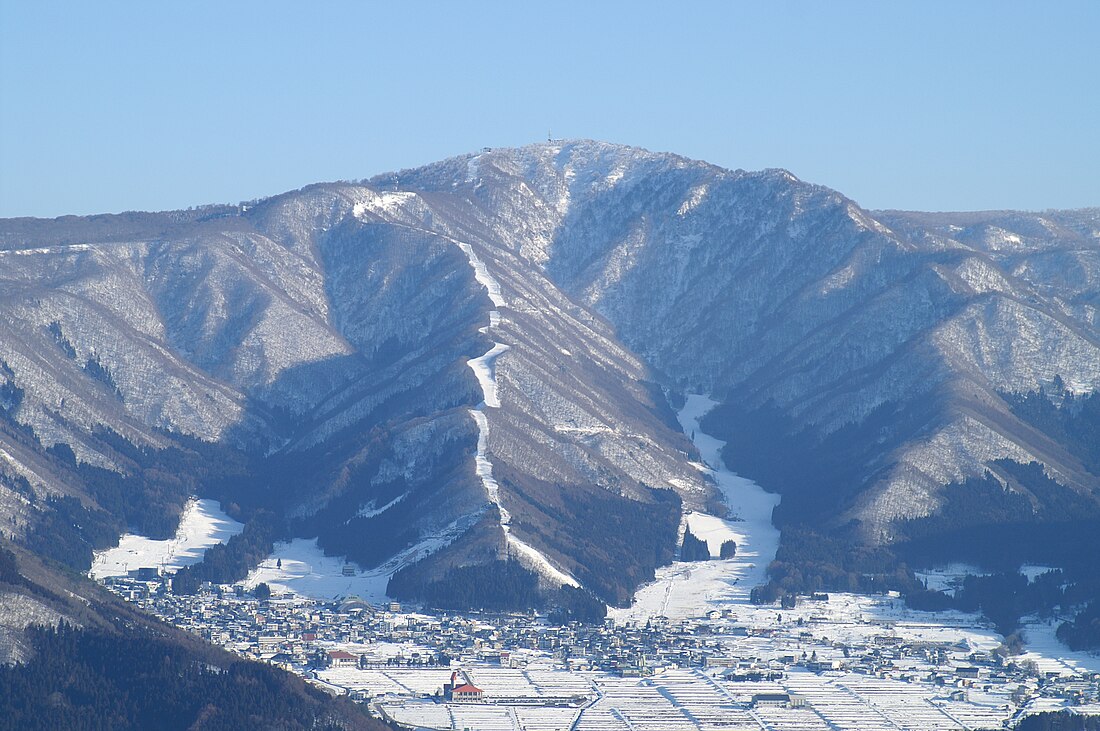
449 366
787 295
338 337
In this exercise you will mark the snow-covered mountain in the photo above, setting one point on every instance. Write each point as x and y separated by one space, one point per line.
469 360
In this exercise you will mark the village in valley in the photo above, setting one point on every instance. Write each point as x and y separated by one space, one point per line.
692 653
832 662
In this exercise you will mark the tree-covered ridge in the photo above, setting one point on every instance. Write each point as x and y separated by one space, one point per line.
1072 420
80 679
1059 721
498 586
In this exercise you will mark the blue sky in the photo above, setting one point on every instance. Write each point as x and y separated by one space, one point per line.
112 106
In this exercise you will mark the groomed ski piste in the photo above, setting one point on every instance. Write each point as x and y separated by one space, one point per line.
484 368
686 589
202 525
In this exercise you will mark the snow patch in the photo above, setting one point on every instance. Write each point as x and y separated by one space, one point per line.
948 578
63 249
369 511
1033 571
713 530
838 279
383 203
695 196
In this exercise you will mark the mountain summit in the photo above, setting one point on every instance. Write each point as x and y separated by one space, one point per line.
467 366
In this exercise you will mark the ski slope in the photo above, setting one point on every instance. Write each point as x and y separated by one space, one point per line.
202 525
689 589
484 368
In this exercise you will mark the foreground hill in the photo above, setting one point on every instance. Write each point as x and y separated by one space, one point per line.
73 656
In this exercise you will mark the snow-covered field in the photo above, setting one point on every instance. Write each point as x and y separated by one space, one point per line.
898 693
301 567
947 578
688 589
202 525
680 700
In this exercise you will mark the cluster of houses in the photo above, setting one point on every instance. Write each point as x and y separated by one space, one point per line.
306 635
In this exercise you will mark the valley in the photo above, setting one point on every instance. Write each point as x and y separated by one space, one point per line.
691 653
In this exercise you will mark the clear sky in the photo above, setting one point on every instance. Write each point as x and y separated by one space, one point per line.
111 106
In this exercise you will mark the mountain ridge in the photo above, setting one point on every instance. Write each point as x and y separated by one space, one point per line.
336 321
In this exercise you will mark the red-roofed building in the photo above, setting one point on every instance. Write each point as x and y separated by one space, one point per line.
341 659
466 694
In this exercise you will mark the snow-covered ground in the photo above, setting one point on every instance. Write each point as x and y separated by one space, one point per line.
688 589
1034 571
1048 652
301 567
202 525
369 510
677 699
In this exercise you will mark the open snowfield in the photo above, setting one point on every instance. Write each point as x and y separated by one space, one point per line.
689 589
202 525
301 567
